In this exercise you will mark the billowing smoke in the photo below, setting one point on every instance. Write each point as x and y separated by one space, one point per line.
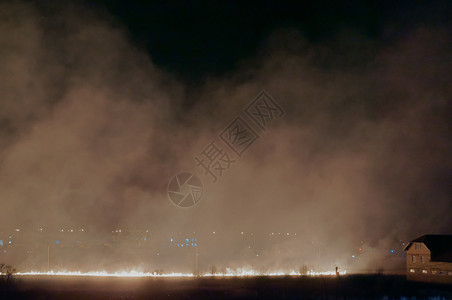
91 131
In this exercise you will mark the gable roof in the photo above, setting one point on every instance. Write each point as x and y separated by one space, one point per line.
440 246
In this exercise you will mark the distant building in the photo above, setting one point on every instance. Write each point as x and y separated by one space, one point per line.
429 258
131 237
188 241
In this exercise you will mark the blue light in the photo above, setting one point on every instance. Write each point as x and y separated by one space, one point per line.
392 251
195 244
172 240
57 242
9 242
373 250
178 245
187 240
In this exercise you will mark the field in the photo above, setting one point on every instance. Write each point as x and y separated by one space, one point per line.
344 287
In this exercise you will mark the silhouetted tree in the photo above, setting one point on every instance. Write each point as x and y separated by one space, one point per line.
213 270
6 274
303 269
158 272
7 281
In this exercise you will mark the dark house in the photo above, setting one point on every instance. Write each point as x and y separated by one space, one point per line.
429 258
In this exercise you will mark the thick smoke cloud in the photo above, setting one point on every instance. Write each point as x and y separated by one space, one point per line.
92 131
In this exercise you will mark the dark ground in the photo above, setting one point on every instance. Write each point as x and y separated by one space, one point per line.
345 287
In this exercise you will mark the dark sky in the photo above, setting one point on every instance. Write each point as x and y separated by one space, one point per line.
194 39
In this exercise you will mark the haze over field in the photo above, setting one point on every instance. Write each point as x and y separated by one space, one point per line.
91 132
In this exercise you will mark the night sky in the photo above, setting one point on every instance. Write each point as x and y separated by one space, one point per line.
104 102
196 39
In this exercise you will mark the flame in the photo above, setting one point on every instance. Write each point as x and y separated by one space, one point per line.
105 274
134 273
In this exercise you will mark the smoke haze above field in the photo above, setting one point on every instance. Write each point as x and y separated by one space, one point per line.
91 131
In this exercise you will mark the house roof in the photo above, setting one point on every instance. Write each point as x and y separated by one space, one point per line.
440 246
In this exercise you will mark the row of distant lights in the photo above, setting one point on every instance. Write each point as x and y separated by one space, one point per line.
120 230
61 230
71 230
270 234
279 233
373 251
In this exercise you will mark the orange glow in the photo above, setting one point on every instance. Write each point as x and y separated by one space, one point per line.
133 273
